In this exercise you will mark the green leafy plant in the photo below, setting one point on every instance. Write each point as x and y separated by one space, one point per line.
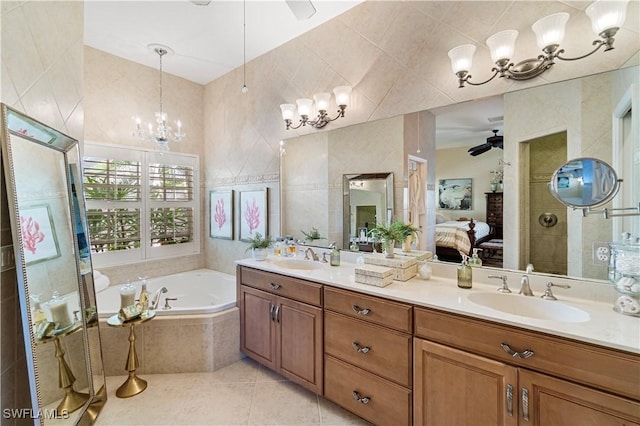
407 230
259 242
397 231
312 235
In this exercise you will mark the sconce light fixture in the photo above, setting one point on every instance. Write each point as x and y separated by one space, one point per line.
162 132
322 101
606 19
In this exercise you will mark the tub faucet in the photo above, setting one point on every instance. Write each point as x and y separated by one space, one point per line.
313 255
156 298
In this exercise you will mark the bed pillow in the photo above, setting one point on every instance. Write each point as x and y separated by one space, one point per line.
440 218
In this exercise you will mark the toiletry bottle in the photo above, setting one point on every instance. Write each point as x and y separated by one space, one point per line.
143 300
464 273
37 314
334 258
277 249
354 246
475 261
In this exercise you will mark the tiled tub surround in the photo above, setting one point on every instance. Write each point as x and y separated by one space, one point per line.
178 341
604 326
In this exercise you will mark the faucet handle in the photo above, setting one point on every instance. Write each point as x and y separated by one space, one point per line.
505 288
548 294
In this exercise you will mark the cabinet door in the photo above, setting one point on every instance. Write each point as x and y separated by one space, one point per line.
300 343
552 401
452 387
257 325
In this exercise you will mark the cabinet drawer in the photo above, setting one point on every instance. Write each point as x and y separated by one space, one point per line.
379 350
603 368
388 404
293 288
368 308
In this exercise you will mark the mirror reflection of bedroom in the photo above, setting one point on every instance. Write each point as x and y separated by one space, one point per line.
469 170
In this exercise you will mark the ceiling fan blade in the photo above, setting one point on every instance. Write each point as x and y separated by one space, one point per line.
477 150
302 9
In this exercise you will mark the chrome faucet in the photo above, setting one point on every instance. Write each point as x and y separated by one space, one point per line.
505 287
156 298
313 255
525 289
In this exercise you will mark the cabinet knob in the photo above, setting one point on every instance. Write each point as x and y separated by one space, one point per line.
360 349
360 399
359 310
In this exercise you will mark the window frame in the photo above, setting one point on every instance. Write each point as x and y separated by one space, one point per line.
146 204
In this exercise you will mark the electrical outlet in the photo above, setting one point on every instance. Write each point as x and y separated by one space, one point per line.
7 258
601 253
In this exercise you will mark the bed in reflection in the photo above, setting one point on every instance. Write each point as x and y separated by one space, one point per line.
457 237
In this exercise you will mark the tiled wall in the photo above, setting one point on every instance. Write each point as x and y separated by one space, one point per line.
41 74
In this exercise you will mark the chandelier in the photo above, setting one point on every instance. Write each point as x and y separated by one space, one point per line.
606 19
162 132
322 102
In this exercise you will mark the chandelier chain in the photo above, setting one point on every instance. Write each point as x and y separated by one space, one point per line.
161 52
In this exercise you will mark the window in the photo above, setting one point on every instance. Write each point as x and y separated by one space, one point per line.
140 205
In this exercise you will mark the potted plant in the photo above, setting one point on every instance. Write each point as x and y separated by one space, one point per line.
409 233
312 235
387 235
259 245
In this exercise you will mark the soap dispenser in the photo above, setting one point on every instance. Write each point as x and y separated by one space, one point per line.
334 257
475 261
465 273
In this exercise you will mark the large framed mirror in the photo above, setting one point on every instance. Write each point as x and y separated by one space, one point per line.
54 270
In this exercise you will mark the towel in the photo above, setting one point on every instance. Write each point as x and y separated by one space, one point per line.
100 282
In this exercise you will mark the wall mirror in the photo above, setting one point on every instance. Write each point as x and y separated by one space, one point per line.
368 200
54 271
582 112
584 182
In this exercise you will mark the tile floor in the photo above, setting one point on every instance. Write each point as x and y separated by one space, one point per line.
243 393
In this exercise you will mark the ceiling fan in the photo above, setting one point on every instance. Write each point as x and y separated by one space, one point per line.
302 9
494 141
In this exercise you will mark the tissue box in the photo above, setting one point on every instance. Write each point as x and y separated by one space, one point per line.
378 276
416 254
404 267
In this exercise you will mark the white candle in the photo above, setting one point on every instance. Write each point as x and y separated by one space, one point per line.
60 313
127 295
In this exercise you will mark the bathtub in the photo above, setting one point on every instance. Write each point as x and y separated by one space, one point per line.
201 291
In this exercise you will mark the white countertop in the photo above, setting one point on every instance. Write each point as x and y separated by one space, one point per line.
605 327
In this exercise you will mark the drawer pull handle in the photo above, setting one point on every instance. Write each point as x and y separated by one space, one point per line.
510 400
275 286
277 312
527 353
525 404
361 399
360 349
360 311
271 310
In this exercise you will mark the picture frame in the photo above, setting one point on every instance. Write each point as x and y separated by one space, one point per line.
39 239
221 217
455 194
254 213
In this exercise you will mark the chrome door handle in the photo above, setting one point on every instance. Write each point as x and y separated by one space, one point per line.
360 349
527 353
360 399
271 310
510 400
359 310
525 404
275 286
277 312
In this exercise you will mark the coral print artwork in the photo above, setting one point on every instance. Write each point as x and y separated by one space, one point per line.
221 214
253 213
39 239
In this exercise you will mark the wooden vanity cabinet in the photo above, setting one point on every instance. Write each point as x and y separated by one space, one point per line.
368 356
280 332
467 378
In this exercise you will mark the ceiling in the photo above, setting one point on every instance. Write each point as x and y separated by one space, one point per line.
207 40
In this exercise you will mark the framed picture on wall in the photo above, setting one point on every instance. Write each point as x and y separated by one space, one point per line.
455 194
253 213
39 238
221 214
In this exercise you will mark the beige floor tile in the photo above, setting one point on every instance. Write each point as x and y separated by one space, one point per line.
283 403
331 414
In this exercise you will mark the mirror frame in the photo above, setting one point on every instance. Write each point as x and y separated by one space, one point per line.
610 194
41 134
387 177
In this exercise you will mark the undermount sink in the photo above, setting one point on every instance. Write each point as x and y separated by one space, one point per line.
530 307
305 265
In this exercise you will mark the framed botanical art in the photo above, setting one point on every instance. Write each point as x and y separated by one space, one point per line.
221 214
253 213
455 194
38 234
